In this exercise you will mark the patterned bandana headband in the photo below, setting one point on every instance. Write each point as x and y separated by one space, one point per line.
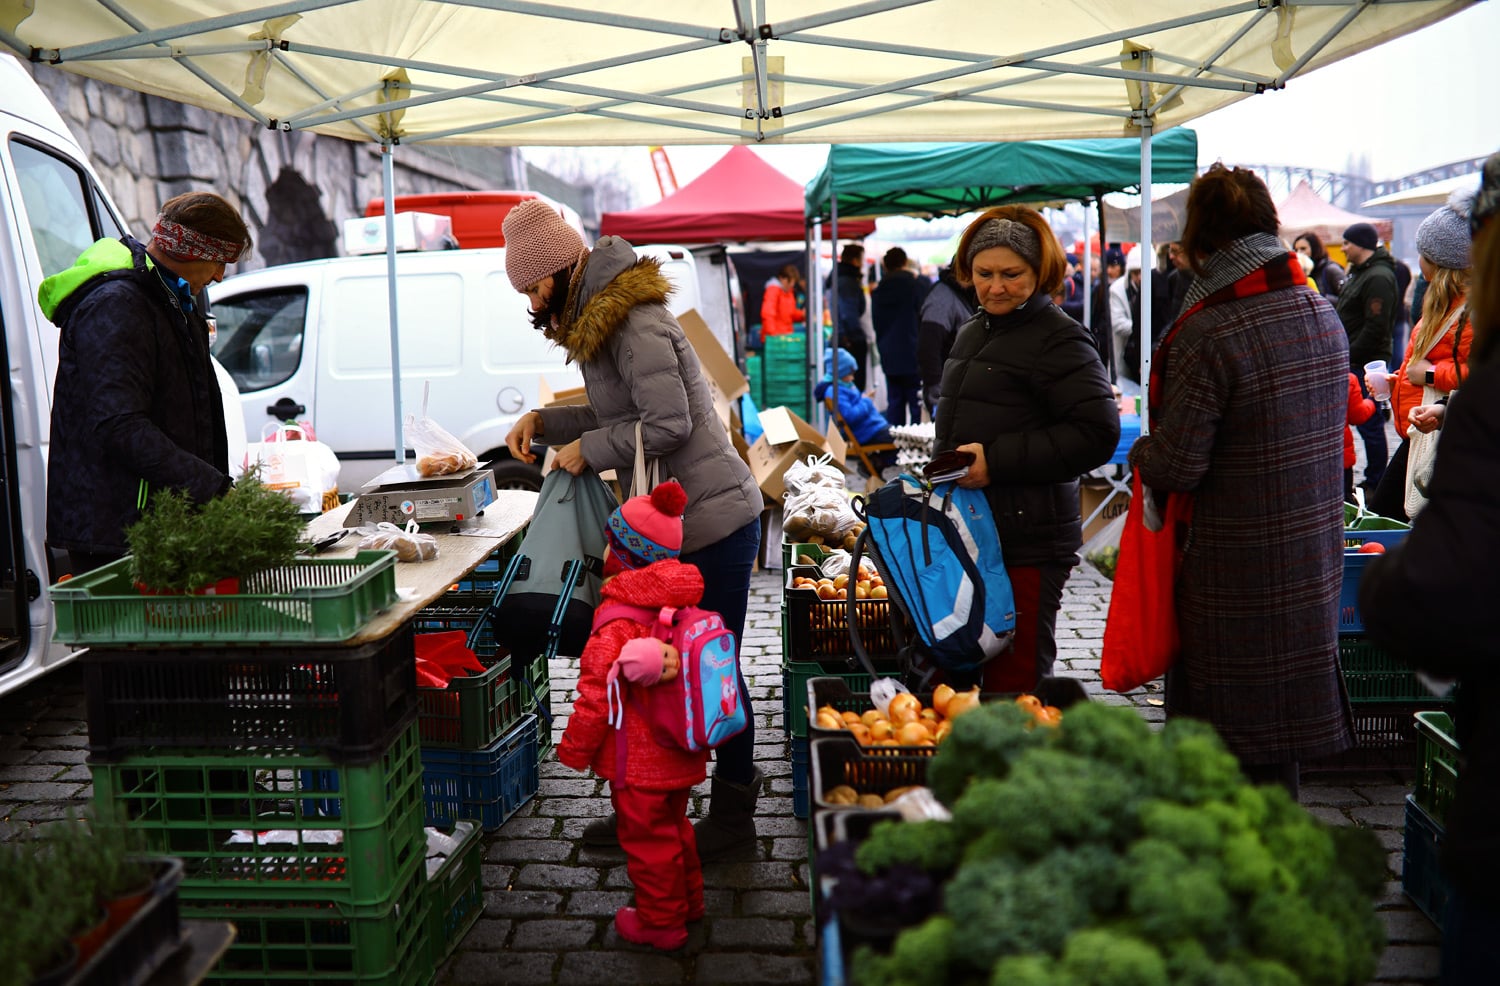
1010 234
181 243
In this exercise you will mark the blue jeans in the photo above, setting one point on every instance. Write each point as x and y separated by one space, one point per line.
726 566
1469 952
903 398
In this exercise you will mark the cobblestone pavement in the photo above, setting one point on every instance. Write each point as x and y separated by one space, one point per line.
549 902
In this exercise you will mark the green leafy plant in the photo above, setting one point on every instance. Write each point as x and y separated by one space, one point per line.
180 546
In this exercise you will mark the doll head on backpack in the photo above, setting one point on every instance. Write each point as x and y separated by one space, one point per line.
645 529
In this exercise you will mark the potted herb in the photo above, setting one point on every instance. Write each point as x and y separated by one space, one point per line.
179 547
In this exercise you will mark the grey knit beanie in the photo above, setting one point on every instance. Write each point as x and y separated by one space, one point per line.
1009 233
1443 237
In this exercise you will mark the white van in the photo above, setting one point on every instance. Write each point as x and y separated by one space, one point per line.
51 208
311 341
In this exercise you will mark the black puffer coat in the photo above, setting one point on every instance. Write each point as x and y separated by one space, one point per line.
135 400
1029 386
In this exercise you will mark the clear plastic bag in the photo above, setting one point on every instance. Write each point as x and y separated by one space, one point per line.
836 563
438 452
409 544
819 510
812 473
1102 551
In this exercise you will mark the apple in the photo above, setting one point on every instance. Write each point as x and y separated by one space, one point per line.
1372 548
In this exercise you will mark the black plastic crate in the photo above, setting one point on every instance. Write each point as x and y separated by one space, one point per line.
1385 738
837 692
840 760
145 941
818 629
1422 876
346 703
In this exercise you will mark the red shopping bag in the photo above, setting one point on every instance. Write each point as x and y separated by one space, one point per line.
1140 632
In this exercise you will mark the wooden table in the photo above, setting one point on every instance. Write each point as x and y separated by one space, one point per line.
421 583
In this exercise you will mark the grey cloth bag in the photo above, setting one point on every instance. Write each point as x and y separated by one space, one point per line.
567 525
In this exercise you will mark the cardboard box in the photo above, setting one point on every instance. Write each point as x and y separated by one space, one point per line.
1092 493
785 439
547 397
725 380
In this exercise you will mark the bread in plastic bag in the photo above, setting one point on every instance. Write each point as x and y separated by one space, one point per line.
438 452
409 544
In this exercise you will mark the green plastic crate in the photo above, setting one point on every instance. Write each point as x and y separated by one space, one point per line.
794 678
539 675
455 895
312 600
274 830
1438 782
477 709
311 940
1373 674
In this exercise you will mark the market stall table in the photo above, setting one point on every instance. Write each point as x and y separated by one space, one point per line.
421 583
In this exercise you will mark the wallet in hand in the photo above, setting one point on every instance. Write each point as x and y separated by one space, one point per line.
947 465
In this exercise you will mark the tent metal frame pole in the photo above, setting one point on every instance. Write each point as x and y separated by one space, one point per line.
1088 280
1148 267
388 181
833 290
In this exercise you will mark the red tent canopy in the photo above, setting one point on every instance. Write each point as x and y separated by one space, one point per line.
741 198
1303 211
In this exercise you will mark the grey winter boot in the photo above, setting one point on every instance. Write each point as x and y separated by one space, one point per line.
728 830
601 834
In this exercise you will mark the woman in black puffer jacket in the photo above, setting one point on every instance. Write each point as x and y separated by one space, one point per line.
1024 390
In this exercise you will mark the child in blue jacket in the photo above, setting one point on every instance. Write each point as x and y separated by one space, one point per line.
865 421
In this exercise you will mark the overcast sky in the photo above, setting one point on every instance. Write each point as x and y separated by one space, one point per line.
1422 100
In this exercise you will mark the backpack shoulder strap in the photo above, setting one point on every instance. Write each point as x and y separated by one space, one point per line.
625 611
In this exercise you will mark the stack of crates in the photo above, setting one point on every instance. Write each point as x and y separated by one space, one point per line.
815 643
784 364
480 746
244 735
1427 815
1383 691
755 374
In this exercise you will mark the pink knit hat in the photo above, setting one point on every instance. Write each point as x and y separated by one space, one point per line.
538 242
646 529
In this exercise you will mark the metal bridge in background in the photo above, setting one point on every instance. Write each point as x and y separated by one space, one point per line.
1349 191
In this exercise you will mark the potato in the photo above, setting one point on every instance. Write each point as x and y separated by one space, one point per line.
896 792
871 801
842 795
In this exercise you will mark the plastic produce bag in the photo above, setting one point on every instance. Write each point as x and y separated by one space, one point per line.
813 472
837 561
409 544
1102 551
438 452
819 511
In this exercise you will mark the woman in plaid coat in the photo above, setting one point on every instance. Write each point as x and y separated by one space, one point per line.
1249 398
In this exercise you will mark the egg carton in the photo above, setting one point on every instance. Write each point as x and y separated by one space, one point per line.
918 437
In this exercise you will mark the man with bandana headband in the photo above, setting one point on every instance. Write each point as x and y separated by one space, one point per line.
136 406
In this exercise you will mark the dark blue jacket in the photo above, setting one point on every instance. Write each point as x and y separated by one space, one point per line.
894 307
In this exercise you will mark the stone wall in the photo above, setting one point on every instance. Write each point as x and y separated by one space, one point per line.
293 189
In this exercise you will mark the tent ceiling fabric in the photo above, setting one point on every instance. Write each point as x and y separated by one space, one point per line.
1303 211
951 179
693 71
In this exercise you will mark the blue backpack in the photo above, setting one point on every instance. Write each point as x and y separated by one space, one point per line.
938 551
701 707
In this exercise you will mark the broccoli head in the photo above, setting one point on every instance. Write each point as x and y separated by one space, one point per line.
920 956
1009 908
1113 734
1171 897
1197 767
1195 832
1029 970
929 845
1110 957
984 743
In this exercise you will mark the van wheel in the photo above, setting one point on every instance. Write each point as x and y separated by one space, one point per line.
511 474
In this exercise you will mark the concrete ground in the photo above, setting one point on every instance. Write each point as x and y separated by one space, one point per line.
549 902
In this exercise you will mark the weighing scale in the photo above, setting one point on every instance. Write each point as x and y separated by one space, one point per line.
400 494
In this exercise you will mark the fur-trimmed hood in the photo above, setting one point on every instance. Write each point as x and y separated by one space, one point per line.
608 282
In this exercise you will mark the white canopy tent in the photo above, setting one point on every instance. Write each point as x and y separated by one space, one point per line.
1434 193
520 72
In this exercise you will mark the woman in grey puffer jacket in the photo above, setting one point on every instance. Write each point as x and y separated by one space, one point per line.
606 308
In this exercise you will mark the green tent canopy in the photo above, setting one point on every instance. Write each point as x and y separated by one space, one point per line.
951 179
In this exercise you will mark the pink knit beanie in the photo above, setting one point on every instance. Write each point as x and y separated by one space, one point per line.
538 242
646 529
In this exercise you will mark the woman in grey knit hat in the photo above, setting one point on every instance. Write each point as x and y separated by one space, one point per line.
1437 356
1024 390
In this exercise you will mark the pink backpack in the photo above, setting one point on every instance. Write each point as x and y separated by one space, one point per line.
702 707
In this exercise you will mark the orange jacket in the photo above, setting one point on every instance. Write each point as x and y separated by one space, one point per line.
1406 395
1360 409
778 310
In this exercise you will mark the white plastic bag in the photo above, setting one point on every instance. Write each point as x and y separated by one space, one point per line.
438 452
289 460
1102 551
813 472
820 510
882 690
